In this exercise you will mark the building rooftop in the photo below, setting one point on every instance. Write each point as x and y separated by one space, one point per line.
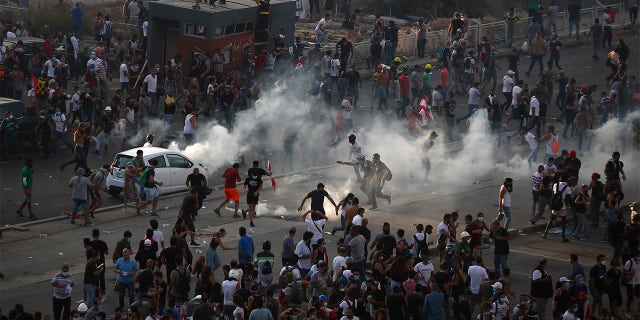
204 5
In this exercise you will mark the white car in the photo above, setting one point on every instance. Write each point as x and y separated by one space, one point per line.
173 169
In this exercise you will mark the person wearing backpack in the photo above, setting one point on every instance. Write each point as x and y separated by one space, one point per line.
420 241
561 192
180 283
264 262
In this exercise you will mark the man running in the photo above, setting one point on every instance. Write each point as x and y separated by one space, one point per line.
27 187
355 150
252 187
317 200
198 182
381 173
148 181
231 177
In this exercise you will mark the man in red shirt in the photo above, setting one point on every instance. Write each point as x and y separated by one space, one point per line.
231 177
405 91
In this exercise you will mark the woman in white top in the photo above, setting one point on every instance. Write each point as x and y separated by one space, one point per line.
238 313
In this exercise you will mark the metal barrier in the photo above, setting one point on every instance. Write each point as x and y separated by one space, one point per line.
496 32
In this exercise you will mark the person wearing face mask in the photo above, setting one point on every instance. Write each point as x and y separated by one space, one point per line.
320 281
561 297
501 307
63 284
597 282
579 294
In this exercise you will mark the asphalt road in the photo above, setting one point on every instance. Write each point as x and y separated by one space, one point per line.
29 258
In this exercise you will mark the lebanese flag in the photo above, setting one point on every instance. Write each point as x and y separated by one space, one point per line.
273 180
425 110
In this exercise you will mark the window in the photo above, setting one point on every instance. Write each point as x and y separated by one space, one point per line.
177 161
230 29
162 163
121 161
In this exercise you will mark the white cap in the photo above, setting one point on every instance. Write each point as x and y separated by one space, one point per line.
497 285
510 72
564 279
147 243
107 108
82 307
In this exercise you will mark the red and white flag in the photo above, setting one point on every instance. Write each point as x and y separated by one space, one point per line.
273 180
425 110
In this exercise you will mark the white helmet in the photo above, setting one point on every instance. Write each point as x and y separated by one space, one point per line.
234 274
107 108
82 307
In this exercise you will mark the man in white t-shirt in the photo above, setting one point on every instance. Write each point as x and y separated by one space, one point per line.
315 226
151 86
303 251
321 30
533 146
50 65
424 270
507 87
566 188
477 273
339 263
515 93
124 76
145 34
443 235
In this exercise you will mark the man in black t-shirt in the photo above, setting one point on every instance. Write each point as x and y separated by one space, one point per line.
151 191
317 200
103 250
500 238
198 182
190 206
92 272
252 187
168 256
257 171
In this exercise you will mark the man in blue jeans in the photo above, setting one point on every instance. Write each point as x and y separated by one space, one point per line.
126 268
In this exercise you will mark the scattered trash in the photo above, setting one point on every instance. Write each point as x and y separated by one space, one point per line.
42 235
60 254
229 209
30 257
198 251
166 225
108 231
204 242
252 231
434 192
36 204
282 217
166 208
203 207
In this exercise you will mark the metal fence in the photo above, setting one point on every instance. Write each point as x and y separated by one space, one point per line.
496 32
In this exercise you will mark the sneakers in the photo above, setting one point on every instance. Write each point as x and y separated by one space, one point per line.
19 212
251 224
194 244
154 214
244 214
236 215
565 240
533 223
217 211
333 231
137 210
33 217
61 167
373 208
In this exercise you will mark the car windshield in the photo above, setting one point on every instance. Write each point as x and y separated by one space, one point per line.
121 161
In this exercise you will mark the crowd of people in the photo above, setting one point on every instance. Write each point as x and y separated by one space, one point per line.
426 273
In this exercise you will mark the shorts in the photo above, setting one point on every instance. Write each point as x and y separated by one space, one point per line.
154 98
535 194
151 193
231 194
383 92
27 198
252 199
95 194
